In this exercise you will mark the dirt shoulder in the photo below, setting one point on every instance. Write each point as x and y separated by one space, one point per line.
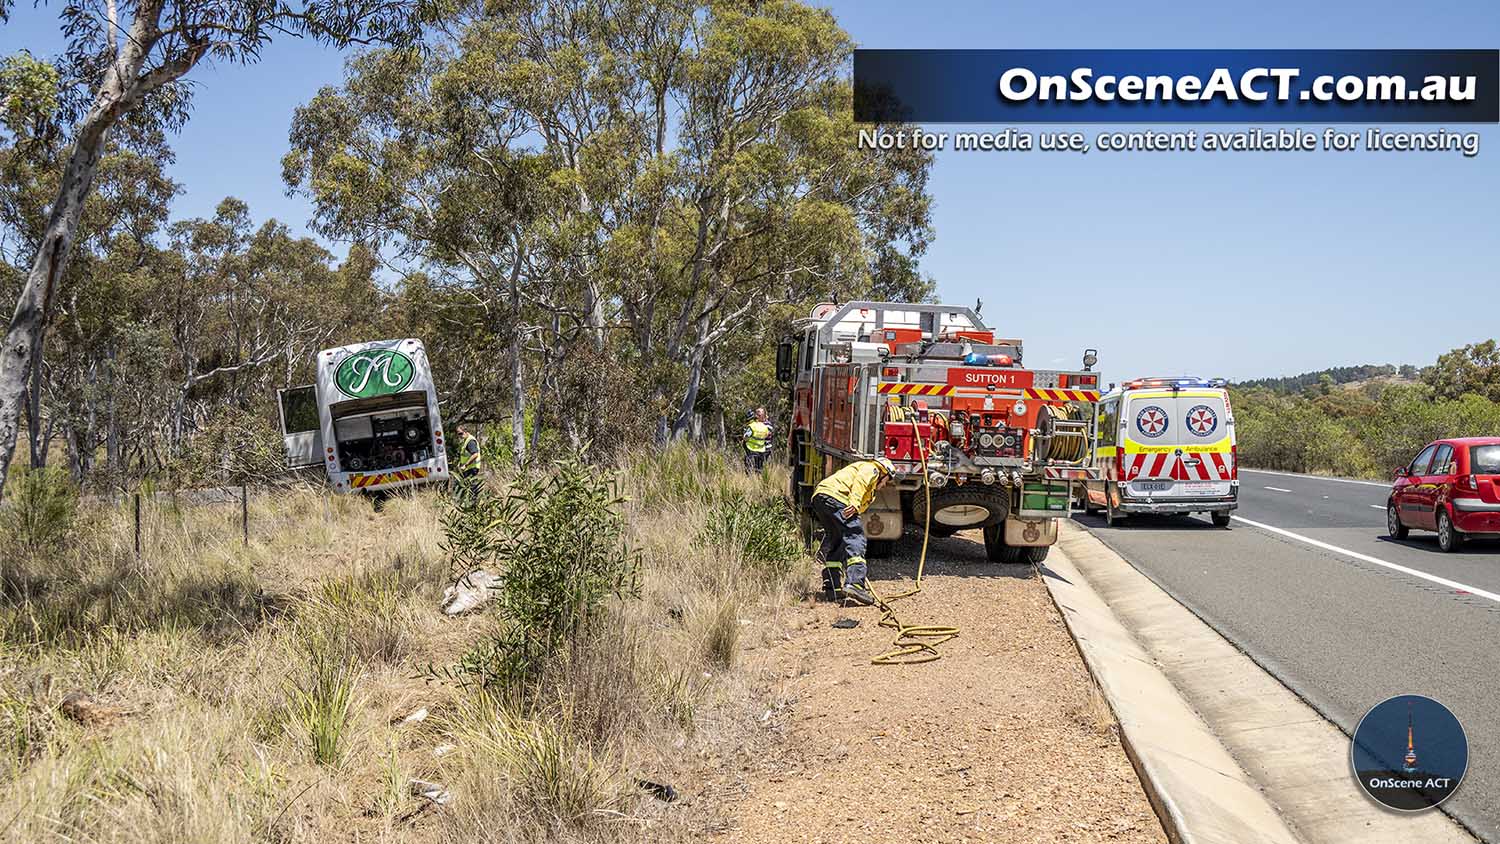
1004 738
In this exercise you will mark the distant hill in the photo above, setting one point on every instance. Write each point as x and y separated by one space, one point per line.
1341 375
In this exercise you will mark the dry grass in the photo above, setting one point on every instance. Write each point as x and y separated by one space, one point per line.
258 692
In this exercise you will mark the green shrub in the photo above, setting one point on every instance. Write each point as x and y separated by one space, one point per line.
763 532
38 513
558 542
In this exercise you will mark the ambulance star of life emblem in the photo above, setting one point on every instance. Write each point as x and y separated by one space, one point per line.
1151 421
1202 420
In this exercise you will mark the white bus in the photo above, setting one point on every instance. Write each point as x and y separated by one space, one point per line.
371 419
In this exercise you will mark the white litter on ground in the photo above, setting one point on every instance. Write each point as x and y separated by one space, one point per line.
468 592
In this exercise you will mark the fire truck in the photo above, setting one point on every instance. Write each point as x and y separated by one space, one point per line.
996 445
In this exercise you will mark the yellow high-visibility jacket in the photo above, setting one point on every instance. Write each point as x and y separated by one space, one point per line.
757 436
853 484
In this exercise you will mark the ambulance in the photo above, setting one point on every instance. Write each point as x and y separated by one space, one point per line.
1164 445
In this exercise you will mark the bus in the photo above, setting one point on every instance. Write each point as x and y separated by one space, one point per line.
370 420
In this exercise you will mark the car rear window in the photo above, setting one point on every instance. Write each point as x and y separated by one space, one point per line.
1484 460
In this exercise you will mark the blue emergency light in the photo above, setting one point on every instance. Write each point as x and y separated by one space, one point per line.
1184 381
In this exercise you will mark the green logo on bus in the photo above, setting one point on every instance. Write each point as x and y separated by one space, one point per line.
376 372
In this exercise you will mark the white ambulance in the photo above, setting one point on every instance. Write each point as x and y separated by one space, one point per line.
371 420
1164 445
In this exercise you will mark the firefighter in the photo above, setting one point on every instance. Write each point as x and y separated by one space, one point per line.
837 502
757 439
468 459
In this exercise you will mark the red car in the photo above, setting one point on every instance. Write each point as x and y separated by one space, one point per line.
1452 487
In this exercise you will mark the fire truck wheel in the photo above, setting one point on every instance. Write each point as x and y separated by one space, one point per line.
879 549
807 529
1113 517
995 549
960 508
1038 553
1086 506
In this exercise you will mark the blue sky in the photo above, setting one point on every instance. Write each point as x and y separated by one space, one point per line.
1235 265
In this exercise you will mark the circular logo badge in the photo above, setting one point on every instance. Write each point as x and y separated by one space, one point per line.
1151 421
375 372
1202 420
1409 753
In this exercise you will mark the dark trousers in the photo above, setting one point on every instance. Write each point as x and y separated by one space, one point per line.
842 538
755 460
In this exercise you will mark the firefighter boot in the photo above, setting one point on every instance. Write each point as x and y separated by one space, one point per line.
855 588
833 580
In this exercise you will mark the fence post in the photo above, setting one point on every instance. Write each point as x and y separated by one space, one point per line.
137 527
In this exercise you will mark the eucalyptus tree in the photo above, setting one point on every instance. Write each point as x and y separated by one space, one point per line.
123 68
633 182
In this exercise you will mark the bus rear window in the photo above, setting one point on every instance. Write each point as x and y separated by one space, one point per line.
1484 460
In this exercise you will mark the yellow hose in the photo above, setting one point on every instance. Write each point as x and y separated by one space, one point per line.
917 643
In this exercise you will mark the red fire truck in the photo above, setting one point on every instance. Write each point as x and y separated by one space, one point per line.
931 387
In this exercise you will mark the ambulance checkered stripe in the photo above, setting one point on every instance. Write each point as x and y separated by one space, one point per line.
1212 466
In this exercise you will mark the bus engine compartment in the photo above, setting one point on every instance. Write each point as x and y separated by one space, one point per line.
383 439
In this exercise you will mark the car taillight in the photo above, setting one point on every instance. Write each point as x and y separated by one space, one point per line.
1468 483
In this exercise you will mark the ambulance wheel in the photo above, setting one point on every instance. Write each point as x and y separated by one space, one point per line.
1220 517
879 549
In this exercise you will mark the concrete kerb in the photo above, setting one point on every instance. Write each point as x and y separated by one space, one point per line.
1190 702
1200 793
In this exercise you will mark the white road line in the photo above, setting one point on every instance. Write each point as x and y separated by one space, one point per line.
1378 506
1315 477
1432 578
1277 489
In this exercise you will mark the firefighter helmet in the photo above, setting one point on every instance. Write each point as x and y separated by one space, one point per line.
886 465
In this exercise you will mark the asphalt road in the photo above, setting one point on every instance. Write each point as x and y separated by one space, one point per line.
1343 632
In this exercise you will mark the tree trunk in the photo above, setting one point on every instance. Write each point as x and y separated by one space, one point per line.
690 395
121 89
23 339
35 433
517 373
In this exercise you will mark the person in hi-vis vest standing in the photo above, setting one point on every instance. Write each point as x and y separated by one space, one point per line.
468 459
757 439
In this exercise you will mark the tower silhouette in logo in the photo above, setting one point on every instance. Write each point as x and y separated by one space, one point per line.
1410 762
